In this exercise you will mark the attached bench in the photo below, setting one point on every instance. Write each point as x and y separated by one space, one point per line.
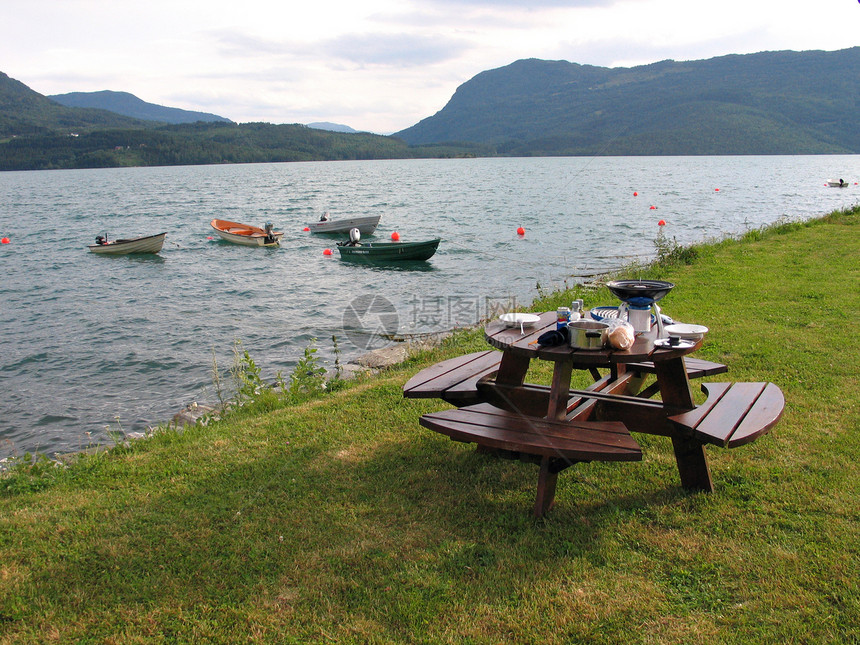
733 414
554 445
457 380
696 368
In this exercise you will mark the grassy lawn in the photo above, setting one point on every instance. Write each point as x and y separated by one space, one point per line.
342 520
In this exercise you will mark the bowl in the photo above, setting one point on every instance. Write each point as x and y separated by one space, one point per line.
519 320
650 290
685 331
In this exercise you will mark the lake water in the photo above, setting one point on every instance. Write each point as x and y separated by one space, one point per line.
90 342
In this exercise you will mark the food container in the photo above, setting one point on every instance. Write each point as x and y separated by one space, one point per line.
586 334
562 317
685 331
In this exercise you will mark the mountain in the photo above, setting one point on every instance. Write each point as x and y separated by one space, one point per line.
25 112
37 133
129 105
766 103
331 127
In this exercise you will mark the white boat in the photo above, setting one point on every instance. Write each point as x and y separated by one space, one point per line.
147 244
245 234
365 224
837 184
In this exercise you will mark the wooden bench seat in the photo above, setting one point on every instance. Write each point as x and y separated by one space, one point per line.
554 445
733 414
455 380
696 368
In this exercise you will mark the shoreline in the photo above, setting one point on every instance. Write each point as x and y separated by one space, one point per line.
369 363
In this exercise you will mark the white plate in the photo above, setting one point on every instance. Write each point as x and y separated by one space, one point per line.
663 343
519 320
683 330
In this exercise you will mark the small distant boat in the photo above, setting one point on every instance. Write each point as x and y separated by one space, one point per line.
837 184
388 251
245 234
147 244
365 224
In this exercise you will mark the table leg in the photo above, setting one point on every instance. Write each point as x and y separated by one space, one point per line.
689 453
692 464
547 480
674 383
560 390
512 369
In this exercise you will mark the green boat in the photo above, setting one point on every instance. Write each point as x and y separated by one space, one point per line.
388 251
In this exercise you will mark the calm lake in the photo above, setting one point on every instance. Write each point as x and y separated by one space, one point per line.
91 342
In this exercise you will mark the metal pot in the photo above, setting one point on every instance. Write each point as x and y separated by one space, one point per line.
586 334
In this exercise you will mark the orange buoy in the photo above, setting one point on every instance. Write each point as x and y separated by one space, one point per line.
326 251
395 236
662 222
5 240
521 231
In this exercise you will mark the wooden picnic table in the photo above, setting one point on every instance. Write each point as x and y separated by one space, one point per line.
557 426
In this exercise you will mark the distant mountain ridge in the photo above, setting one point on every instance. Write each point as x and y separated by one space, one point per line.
331 127
129 105
24 112
767 103
37 133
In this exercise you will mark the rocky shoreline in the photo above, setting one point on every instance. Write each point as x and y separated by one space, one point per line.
369 363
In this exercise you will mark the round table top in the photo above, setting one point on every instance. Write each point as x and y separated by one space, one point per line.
505 337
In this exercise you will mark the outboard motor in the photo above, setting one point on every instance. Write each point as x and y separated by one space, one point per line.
354 236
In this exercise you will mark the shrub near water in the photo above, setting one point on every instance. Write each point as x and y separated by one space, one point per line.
340 519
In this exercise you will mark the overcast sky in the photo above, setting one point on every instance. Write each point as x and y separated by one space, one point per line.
375 65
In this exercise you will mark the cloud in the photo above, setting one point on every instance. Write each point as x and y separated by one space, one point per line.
518 4
362 49
233 43
396 50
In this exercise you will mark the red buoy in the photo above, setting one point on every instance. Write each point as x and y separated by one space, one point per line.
635 194
395 236
5 240
716 190
521 231
653 208
662 222
327 252
306 228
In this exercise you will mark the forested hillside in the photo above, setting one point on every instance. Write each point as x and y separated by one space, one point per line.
768 103
129 105
25 112
39 134
201 143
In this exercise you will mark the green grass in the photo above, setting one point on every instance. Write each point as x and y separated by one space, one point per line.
342 520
